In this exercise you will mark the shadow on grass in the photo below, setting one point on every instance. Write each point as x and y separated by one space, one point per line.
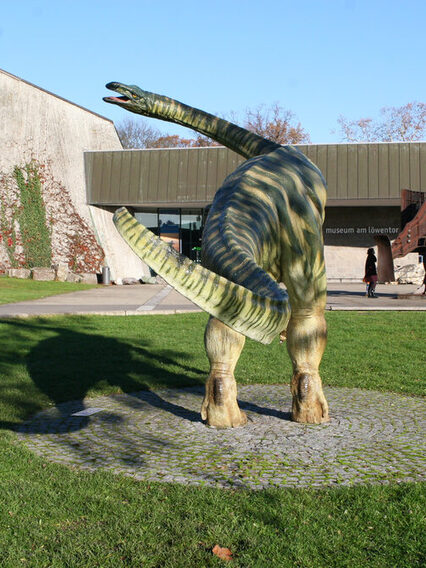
72 360
69 365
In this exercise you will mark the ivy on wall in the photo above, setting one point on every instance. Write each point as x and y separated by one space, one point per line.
39 224
8 235
35 233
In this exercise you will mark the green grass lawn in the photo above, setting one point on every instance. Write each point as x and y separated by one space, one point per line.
19 290
54 516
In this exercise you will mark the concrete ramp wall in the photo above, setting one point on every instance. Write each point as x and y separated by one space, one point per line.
35 124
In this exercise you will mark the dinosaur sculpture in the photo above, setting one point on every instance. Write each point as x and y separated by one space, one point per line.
264 228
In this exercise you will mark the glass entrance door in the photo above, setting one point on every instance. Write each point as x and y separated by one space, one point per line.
180 228
191 231
169 225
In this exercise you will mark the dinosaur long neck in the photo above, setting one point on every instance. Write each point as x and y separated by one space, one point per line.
234 137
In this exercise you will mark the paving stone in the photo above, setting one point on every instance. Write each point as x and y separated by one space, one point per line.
159 436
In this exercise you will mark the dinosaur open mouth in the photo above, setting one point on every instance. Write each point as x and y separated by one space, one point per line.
116 99
113 86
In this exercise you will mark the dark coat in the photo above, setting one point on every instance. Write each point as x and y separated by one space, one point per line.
370 265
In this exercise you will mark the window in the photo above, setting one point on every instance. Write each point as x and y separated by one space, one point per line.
181 228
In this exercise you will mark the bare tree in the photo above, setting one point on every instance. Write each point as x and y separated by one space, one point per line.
137 134
171 141
175 141
276 124
201 141
396 124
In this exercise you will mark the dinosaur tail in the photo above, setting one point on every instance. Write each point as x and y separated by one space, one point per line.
257 316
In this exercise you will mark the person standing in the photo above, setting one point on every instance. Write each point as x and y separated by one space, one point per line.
371 273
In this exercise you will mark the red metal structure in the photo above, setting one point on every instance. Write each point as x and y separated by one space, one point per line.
412 237
413 234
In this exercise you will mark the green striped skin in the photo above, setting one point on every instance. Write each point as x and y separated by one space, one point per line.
254 235
254 315
264 228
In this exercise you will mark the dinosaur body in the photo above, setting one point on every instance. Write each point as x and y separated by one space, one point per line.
264 228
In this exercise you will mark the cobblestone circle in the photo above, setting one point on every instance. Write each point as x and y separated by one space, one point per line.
158 435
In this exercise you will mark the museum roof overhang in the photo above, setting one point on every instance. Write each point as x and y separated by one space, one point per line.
357 174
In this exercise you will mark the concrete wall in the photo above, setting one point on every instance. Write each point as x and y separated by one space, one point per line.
37 124
350 231
346 264
120 258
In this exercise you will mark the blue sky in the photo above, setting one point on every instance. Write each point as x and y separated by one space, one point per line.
318 59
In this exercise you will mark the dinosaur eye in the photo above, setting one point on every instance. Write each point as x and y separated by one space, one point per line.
134 96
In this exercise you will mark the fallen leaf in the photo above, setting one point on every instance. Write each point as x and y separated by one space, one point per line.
222 553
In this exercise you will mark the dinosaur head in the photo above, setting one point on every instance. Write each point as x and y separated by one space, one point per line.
132 98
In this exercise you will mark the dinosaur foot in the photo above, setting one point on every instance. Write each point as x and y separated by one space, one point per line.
309 403
223 416
220 407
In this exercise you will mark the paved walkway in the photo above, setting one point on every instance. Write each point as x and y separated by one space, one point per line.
148 299
158 435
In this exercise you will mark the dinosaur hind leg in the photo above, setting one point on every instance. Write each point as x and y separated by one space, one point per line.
306 339
307 334
220 407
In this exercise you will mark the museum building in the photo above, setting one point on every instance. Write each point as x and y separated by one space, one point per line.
170 190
